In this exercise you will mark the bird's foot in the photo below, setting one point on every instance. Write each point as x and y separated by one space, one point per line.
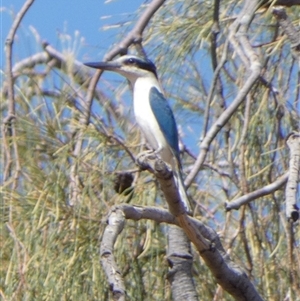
148 154
143 158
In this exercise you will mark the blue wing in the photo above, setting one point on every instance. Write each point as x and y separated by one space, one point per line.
165 119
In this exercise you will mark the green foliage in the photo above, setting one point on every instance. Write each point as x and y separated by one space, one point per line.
50 250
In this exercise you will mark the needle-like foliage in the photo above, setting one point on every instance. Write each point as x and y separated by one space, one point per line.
67 145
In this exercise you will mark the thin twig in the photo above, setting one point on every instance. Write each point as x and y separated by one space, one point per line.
268 189
8 47
212 89
11 153
135 35
247 54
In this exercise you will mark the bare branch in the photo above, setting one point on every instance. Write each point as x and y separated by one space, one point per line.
135 35
251 61
8 46
115 226
155 165
292 33
180 261
215 80
207 242
30 62
78 68
8 124
152 213
292 210
245 199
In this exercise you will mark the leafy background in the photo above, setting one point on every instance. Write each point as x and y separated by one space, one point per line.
49 250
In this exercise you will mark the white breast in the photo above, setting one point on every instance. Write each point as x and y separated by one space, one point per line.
146 119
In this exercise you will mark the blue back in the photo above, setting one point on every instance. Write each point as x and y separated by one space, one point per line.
165 119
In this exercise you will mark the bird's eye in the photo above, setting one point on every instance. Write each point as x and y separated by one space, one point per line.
131 61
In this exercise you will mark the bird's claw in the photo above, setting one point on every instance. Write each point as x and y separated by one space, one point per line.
142 157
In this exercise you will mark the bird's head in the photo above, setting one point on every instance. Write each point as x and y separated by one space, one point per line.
130 66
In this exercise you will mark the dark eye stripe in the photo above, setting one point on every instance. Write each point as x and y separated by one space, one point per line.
142 64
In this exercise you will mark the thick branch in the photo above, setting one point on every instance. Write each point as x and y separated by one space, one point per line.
292 210
180 261
115 226
227 274
165 177
179 254
30 62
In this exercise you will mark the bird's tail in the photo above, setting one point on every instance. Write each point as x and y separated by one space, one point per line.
181 189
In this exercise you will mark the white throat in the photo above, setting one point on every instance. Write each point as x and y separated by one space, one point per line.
144 83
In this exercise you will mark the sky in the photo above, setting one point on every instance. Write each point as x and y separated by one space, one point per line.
52 18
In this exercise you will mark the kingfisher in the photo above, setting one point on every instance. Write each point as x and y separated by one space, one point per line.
152 112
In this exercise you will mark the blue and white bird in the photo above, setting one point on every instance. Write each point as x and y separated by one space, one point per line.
152 112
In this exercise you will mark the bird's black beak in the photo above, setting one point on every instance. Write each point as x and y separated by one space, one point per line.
113 66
